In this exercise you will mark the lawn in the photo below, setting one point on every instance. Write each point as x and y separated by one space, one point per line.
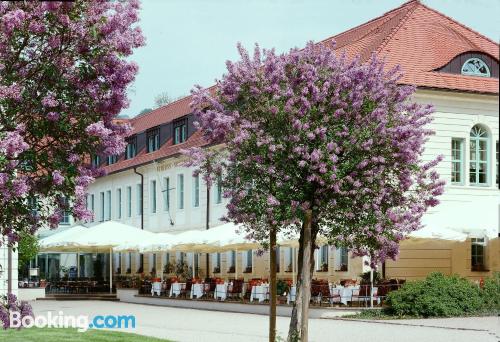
64 335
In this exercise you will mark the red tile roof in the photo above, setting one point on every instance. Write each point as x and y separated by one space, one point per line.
414 36
420 40
156 117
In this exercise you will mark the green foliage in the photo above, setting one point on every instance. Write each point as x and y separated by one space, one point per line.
281 287
365 277
28 248
436 296
491 293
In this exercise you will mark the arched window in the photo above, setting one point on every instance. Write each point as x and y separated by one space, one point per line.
478 170
475 67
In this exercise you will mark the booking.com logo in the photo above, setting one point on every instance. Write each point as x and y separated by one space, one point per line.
81 322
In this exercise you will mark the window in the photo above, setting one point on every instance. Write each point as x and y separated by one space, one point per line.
196 191
108 205
96 161
140 262
166 193
475 67
33 205
166 263
478 170
497 164
478 254
139 199
216 262
131 149
341 259
119 203
248 261
152 263
153 139
65 214
231 261
129 201
112 160
457 157
180 131
128 263
278 258
92 207
117 257
179 257
101 195
180 192
218 190
289 259
153 196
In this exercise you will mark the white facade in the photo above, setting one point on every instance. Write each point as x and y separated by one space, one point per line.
117 197
466 207
4 271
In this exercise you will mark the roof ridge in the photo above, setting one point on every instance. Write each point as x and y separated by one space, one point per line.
156 109
459 23
408 3
398 26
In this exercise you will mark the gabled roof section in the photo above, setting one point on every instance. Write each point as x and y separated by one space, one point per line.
164 114
420 40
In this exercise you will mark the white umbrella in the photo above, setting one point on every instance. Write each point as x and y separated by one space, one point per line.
59 237
432 232
99 238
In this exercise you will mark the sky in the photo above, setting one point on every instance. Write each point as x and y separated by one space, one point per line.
189 41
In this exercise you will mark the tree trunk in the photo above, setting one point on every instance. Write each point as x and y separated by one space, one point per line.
272 286
298 330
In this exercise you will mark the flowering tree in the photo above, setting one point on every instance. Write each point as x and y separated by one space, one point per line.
320 144
9 304
63 79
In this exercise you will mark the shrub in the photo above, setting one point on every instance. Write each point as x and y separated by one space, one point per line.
491 293
437 295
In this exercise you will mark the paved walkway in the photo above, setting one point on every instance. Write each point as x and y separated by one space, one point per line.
198 325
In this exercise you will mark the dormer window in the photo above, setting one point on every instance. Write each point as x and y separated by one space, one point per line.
153 139
131 149
475 67
180 131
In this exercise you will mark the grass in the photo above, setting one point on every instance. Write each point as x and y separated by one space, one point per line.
68 334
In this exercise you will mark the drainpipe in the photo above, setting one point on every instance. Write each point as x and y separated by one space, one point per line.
142 196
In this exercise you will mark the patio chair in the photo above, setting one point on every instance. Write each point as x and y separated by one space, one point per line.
187 289
364 294
355 296
236 290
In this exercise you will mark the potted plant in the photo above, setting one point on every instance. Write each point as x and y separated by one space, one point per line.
153 272
129 270
231 269
216 269
324 267
168 268
248 269
289 268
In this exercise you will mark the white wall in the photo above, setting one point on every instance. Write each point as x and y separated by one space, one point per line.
464 207
4 275
190 217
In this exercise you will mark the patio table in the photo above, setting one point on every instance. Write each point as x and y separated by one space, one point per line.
345 293
260 292
156 288
221 291
176 289
197 290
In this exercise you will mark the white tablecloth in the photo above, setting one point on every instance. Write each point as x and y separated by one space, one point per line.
175 289
345 293
260 292
156 288
197 290
221 291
